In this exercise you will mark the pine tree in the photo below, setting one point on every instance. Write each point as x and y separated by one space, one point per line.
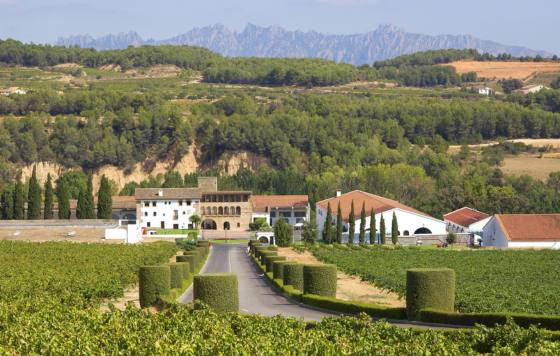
48 207
63 201
382 232
8 205
327 229
363 224
394 230
33 197
19 200
104 199
351 225
372 228
89 211
339 224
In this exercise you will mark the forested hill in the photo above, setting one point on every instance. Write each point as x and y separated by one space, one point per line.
254 41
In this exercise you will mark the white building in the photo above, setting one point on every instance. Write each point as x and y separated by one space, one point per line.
531 89
523 231
485 91
466 220
294 209
411 222
169 208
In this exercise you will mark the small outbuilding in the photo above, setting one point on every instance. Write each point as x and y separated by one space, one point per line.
523 231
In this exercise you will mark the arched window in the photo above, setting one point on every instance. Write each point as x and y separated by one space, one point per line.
214 210
226 210
238 210
422 231
220 211
406 233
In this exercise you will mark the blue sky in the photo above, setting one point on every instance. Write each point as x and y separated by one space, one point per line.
532 24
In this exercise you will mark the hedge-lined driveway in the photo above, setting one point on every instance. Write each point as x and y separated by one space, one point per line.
256 294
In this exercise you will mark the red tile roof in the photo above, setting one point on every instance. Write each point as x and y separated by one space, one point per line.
262 203
377 203
465 216
530 227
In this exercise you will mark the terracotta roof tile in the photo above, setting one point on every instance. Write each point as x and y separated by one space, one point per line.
465 216
261 203
530 227
168 193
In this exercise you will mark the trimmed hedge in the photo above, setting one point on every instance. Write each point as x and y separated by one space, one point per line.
265 254
550 322
278 269
186 269
190 259
154 282
176 275
196 254
218 290
271 259
293 275
429 288
350 307
319 280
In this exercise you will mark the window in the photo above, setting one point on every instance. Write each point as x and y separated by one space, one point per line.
145 213
148 224
184 212
272 214
286 214
188 203
176 226
300 214
155 213
238 210
153 203
175 214
180 203
146 203
238 225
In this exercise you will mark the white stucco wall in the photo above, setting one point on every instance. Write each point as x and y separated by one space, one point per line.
165 211
555 245
493 235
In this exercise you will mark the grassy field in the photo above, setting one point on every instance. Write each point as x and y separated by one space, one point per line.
516 281
505 70
532 165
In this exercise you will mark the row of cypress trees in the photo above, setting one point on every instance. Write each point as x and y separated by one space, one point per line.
12 203
337 238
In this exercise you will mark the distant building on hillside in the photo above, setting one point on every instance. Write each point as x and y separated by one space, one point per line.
485 91
523 231
530 89
466 220
411 222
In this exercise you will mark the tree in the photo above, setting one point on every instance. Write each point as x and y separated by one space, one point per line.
81 205
7 204
327 229
89 211
372 228
104 199
382 232
451 238
48 205
19 200
63 196
33 197
195 219
351 225
339 224
309 233
363 224
283 233
394 230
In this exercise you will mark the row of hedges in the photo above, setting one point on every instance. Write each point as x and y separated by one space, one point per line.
219 291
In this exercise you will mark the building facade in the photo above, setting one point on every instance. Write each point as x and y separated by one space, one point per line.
294 209
466 220
523 231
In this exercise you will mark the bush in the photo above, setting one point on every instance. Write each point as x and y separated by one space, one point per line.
352 307
176 275
283 233
218 291
293 275
202 251
258 250
154 282
278 269
265 254
186 268
270 260
451 238
196 254
190 259
319 280
429 288
253 246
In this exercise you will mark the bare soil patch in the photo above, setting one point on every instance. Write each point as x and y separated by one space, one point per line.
349 287
505 70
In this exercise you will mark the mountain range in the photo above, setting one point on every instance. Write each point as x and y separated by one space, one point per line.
387 41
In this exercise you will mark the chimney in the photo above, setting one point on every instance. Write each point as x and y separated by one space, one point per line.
160 193
338 193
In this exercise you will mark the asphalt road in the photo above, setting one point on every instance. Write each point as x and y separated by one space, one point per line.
256 293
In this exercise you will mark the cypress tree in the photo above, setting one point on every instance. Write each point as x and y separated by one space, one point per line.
81 205
327 229
8 205
33 197
339 225
63 201
372 228
351 225
89 212
48 209
394 230
382 231
19 210
104 199
363 224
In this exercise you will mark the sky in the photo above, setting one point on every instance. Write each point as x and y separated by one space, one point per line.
532 24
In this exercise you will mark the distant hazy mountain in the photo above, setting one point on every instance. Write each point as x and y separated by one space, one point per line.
386 42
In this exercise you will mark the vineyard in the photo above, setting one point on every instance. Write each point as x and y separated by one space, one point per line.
487 281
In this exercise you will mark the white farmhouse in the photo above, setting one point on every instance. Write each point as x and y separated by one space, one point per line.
485 91
531 89
523 231
169 208
466 220
411 222
294 209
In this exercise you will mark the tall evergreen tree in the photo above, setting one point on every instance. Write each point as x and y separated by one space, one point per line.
33 197
19 200
81 205
363 224
48 207
327 229
8 205
339 224
89 211
104 199
372 228
63 197
351 225
382 231
394 230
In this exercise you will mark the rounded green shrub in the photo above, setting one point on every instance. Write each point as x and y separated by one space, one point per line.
190 259
203 251
271 259
432 288
319 280
278 269
265 254
293 275
154 282
218 290
196 254
176 275
186 269
258 251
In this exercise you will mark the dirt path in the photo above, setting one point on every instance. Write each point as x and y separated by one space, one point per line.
349 287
